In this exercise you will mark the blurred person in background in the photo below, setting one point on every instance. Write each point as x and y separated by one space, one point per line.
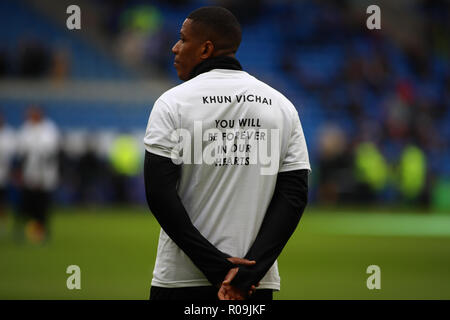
371 171
92 172
60 66
34 59
335 177
6 156
125 158
4 62
38 147
143 39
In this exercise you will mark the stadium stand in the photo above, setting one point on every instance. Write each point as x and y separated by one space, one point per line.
372 84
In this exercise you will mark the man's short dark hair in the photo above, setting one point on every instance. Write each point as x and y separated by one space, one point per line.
218 25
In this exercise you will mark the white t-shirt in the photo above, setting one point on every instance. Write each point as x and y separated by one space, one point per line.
225 195
7 148
38 144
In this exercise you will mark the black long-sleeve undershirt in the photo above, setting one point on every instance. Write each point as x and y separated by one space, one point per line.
280 221
161 177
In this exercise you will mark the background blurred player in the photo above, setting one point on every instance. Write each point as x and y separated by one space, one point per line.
38 145
6 154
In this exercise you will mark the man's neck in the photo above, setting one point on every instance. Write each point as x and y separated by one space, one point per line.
219 62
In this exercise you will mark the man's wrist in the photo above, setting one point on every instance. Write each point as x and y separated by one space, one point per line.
220 277
244 278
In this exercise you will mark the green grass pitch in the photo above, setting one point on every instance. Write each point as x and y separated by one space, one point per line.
326 258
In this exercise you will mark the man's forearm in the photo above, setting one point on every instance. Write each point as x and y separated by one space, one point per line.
161 177
282 217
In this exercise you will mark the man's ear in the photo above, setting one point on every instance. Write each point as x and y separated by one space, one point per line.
207 50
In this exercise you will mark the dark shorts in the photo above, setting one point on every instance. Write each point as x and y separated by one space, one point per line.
36 204
201 294
2 196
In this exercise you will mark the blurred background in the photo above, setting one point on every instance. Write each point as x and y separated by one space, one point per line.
374 106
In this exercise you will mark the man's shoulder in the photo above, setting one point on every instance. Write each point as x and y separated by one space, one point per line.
268 88
284 102
272 90
179 90
6 129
